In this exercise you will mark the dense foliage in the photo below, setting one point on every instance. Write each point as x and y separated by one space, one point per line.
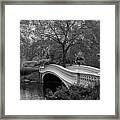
60 41
75 92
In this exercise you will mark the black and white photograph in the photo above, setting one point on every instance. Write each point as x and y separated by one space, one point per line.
60 60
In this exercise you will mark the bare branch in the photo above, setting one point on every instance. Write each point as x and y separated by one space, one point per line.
55 33
53 38
72 24
71 44
63 31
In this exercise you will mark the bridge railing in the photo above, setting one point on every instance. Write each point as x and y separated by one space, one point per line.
84 78
87 79
85 68
63 73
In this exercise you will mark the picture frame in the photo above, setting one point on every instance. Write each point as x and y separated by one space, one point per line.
2 56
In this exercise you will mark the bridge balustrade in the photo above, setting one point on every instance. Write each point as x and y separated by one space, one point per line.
87 79
71 76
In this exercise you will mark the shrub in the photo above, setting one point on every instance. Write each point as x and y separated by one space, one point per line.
77 92
28 70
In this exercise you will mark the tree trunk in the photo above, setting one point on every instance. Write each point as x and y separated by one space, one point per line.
64 57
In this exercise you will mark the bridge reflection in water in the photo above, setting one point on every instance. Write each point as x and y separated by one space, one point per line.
54 76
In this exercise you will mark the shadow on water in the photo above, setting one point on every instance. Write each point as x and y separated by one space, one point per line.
31 87
51 82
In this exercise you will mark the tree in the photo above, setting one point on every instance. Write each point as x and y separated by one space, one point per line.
79 59
32 46
66 33
64 38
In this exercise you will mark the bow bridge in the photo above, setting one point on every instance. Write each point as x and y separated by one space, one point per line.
54 75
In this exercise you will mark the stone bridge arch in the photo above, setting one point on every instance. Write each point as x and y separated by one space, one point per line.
52 81
55 75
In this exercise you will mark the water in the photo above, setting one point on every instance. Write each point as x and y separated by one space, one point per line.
32 91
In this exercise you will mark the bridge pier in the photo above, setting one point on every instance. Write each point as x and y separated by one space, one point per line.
40 76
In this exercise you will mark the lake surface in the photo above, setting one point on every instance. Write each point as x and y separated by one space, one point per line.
32 91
